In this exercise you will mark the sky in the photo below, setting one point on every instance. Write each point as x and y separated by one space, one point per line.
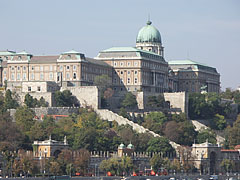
203 31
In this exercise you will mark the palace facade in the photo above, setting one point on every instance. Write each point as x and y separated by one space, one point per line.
140 68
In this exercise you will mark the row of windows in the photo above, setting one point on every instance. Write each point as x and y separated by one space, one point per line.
128 81
128 72
125 63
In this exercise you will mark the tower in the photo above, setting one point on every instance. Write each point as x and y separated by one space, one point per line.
149 39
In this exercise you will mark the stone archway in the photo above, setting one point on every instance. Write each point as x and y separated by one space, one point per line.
213 162
56 153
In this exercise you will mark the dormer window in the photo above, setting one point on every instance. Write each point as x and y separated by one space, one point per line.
19 57
69 56
6 58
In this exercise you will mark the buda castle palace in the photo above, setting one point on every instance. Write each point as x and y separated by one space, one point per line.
135 69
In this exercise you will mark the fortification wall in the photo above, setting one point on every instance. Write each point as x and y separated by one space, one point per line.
86 95
48 96
178 101
111 116
42 111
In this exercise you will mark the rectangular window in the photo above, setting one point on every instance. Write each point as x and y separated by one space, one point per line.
18 76
29 89
74 67
50 68
12 76
61 68
18 68
129 80
51 76
32 68
24 68
38 88
68 75
41 76
41 68
135 81
121 81
74 76
24 76
32 76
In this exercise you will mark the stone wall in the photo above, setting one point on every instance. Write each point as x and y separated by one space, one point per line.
48 96
111 116
42 111
86 95
178 100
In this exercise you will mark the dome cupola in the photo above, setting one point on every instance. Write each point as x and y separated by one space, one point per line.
148 33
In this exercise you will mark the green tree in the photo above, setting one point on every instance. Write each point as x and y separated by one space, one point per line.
29 101
123 113
227 165
9 101
182 132
11 137
129 101
176 165
24 118
159 144
154 121
42 102
65 99
206 134
218 122
157 162
232 134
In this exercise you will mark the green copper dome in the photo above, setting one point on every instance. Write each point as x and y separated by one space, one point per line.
130 146
121 146
148 33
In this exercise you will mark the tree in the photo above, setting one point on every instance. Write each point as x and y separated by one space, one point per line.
187 159
160 144
117 166
206 134
29 101
156 101
232 134
129 101
11 137
123 113
176 165
154 121
227 165
218 122
9 101
42 102
65 99
157 162
24 118
182 132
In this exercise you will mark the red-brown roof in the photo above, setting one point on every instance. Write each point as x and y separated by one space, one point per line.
237 147
229 150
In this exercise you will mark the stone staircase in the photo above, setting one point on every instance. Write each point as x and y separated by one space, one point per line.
199 126
111 116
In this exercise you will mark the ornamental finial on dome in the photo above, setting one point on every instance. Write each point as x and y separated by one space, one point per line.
149 22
